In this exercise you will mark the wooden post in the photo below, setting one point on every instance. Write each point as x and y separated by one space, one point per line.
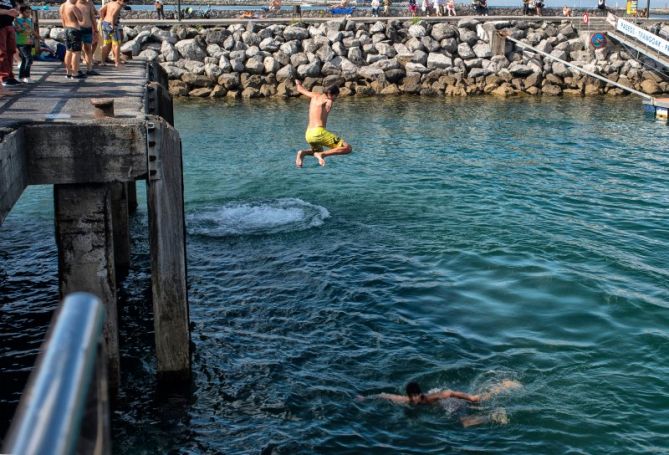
121 229
85 239
168 250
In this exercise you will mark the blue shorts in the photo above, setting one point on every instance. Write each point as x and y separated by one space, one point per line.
87 35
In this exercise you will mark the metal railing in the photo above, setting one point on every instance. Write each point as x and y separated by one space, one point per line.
64 407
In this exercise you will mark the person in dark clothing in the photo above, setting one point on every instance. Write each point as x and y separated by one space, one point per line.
8 12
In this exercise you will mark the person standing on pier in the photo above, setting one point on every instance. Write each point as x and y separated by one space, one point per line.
112 32
160 13
88 37
25 36
7 41
316 135
72 20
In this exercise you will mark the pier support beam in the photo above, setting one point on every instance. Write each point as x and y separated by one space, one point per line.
168 250
121 229
85 239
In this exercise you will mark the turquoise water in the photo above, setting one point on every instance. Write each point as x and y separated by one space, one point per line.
463 242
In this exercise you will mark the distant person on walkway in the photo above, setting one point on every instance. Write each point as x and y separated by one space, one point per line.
274 7
413 7
25 38
89 36
539 5
484 7
112 33
601 7
386 7
426 7
8 12
316 135
376 6
160 10
439 7
526 7
72 20
566 11
450 8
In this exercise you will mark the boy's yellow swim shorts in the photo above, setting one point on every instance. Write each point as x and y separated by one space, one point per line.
319 137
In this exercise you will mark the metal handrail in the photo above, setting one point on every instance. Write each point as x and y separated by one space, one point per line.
49 417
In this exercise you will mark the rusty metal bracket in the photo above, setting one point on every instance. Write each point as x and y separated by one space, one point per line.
152 151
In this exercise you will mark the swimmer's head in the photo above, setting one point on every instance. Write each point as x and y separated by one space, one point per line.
413 391
331 92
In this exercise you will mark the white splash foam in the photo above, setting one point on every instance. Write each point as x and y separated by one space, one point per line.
256 218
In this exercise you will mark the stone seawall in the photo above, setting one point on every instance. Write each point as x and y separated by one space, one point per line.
384 58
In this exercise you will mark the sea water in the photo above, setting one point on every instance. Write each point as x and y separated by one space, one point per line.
462 243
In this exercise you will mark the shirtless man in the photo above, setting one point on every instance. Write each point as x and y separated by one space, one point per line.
111 30
88 37
72 20
317 136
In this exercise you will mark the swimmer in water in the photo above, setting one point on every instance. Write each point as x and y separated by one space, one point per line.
416 396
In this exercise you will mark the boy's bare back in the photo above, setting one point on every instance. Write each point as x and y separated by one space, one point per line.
319 108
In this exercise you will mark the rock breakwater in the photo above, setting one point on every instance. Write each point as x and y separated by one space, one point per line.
385 58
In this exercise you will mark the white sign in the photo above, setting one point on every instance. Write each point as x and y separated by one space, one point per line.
646 37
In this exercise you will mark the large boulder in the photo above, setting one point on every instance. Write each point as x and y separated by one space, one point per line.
482 50
371 73
295 33
465 51
190 49
443 30
436 60
417 31
312 69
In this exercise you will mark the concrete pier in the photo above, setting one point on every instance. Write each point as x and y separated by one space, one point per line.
50 134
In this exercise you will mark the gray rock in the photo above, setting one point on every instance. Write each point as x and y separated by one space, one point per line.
289 48
269 45
271 65
519 70
468 36
216 36
287 72
371 58
190 50
173 72
412 67
325 53
430 44
545 46
339 49
560 70
419 57
224 64
355 55
436 60
212 71
213 49
443 30
312 69
386 64
148 55
449 45
395 75
131 46
250 38
331 68
299 59
482 50
237 65
193 67
169 52
465 51
559 54
334 36
255 65
479 72
468 23
371 73
292 32
385 49
415 44
417 31
377 27
474 63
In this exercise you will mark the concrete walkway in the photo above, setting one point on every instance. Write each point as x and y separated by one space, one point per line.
53 98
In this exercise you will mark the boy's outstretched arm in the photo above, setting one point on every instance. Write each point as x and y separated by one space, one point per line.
303 90
460 395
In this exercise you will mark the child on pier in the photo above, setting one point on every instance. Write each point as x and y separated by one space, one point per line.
25 35
7 41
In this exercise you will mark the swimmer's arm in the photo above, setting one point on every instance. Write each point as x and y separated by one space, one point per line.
328 105
459 395
392 397
304 91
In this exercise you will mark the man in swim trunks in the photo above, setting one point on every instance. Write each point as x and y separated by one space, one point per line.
112 33
88 37
317 136
72 20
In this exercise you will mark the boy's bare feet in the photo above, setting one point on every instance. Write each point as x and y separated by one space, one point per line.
319 157
299 158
